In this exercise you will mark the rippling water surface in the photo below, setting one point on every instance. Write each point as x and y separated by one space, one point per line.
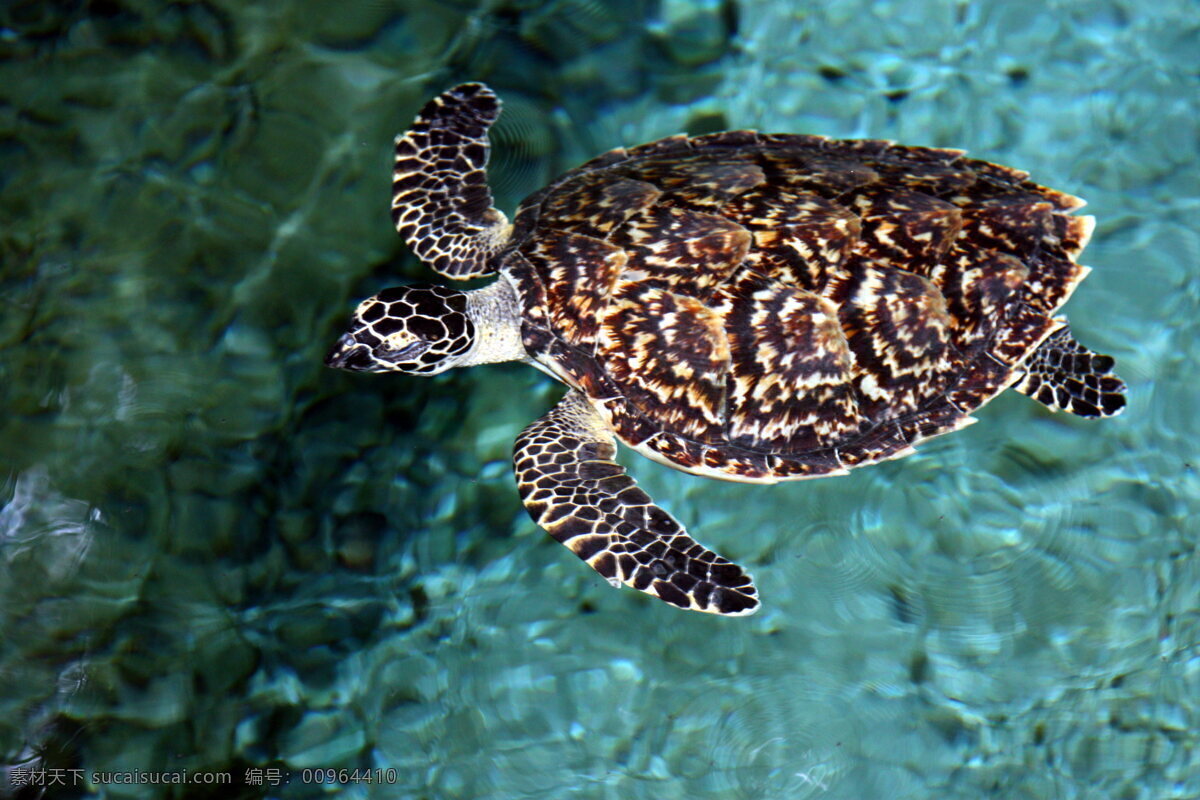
218 556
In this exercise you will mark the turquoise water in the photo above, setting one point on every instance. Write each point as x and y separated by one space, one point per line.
218 556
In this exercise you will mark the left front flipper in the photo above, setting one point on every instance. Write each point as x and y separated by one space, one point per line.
572 487
441 203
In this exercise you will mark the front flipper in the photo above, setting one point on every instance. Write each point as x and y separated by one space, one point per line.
441 203
572 487
1064 375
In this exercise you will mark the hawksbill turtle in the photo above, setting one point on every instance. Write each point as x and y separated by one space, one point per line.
743 306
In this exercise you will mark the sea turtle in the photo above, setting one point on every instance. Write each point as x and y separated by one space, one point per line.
744 306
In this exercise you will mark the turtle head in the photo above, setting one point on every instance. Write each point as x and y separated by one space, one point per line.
420 329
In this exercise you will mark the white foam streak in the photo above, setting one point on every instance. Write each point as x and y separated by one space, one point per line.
37 517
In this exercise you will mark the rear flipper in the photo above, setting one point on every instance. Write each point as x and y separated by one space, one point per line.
1064 375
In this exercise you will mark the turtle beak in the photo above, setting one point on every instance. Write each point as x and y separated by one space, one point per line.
348 353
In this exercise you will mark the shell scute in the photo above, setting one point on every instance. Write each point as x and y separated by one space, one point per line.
937 417
924 155
979 382
579 274
606 159
734 139
799 238
829 174
977 285
859 148
679 143
1052 279
934 176
666 243
669 354
1017 228
903 228
814 465
899 330
1060 200
703 183
1072 234
1008 176
597 204
1023 330
791 368
793 141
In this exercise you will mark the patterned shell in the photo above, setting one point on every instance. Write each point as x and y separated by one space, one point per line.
770 307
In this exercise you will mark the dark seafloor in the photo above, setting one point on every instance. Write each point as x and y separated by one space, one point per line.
218 556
